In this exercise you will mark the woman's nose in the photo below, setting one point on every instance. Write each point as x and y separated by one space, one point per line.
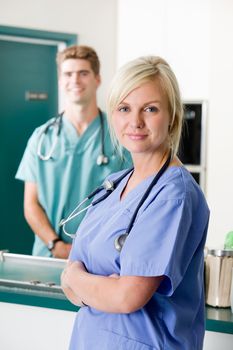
136 121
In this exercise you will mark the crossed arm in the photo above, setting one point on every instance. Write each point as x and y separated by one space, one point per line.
118 294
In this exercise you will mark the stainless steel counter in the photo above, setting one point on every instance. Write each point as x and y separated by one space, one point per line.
32 281
35 281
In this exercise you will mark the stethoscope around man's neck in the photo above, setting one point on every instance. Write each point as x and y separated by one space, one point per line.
109 187
56 123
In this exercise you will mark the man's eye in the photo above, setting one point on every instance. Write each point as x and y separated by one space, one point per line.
83 74
151 109
68 74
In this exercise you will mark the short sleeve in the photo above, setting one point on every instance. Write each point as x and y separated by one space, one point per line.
27 170
161 243
73 252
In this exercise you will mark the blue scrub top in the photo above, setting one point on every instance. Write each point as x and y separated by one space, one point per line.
167 239
71 174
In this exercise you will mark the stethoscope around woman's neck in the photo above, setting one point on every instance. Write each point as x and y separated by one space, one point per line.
56 123
109 187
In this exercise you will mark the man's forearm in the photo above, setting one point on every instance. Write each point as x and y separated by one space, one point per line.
39 222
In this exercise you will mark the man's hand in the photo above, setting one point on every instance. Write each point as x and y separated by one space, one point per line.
61 250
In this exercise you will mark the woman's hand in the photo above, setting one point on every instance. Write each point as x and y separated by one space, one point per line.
68 291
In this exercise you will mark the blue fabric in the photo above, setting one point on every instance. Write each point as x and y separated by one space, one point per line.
168 239
70 175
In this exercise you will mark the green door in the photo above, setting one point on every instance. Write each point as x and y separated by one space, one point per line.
28 97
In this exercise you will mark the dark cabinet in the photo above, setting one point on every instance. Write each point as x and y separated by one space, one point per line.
192 149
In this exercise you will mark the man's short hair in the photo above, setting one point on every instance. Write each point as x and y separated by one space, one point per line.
80 52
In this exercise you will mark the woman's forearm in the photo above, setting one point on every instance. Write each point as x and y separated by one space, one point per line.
94 290
111 294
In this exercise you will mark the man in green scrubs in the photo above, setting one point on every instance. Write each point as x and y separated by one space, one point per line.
53 187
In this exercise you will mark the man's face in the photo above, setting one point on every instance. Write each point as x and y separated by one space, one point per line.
78 81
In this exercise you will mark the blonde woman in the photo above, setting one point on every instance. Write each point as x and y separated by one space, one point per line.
136 265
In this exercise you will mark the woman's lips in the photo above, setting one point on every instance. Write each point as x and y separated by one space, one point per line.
136 137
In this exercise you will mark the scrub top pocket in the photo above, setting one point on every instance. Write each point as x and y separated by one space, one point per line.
115 341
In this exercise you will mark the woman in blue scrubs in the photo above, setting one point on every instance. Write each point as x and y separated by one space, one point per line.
149 295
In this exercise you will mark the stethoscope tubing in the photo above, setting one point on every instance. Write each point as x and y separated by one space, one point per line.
146 194
57 123
110 186
120 240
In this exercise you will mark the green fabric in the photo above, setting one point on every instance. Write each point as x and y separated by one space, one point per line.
228 244
70 175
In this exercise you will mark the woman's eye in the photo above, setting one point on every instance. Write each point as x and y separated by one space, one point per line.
151 109
123 109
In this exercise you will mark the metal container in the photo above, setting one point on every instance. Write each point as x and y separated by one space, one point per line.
218 276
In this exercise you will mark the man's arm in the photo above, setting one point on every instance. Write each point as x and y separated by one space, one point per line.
39 222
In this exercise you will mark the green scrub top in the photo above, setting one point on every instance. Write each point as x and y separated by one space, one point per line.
71 174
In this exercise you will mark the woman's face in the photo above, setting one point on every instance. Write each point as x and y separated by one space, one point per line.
141 120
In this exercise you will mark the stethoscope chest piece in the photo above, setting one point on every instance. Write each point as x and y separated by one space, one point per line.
119 241
102 160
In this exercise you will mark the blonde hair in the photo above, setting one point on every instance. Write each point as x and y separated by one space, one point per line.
140 71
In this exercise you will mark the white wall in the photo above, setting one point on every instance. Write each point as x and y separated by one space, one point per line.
93 21
195 37
216 341
25 327
176 30
42 328
220 141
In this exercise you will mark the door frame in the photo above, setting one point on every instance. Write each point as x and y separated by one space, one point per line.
56 39
66 38
60 39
